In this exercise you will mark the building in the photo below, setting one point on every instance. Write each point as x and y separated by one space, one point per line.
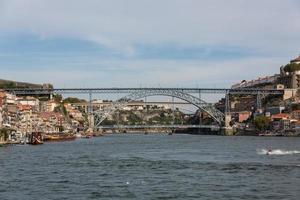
242 116
273 110
2 98
51 105
11 99
1 118
260 82
29 101
280 116
296 60
295 114
295 125
290 74
244 103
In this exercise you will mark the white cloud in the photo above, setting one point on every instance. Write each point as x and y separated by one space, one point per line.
268 27
154 73
260 24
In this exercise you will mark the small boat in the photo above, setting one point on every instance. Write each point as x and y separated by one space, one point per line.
36 138
86 136
269 152
59 137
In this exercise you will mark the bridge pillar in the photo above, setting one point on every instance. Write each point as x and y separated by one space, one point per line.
91 114
258 102
91 122
227 128
200 113
227 120
227 110
227 103
200 121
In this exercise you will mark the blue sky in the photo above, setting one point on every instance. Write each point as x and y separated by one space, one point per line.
117 43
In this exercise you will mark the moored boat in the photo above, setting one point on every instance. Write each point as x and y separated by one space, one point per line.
58 137
86 136
36 138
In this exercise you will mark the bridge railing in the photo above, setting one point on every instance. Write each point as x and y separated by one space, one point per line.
36 91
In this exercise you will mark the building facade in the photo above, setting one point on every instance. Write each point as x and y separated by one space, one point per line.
290 78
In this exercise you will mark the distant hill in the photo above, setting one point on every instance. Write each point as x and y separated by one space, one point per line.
14 84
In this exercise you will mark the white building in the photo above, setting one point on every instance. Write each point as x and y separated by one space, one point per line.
29 101
296 60
51 105
11 99
1 118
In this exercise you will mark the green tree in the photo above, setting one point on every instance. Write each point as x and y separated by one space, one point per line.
61 128
295 106
262 122
4 133
73 100
57 98
8 85
292 67
61 109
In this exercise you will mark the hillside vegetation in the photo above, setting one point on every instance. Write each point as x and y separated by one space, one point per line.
8 84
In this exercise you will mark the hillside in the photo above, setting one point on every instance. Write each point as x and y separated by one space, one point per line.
15 84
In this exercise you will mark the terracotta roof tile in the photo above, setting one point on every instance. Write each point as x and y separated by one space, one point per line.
280 116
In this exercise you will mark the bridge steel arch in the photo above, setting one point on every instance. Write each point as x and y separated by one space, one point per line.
101 115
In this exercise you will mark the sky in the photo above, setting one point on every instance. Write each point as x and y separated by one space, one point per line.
146 43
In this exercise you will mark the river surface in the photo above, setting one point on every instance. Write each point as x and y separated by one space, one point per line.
137 166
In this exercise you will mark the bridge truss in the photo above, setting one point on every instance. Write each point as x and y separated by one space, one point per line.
137 93
101 115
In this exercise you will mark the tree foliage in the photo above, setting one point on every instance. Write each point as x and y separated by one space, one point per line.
292 67
8 85
4 133
295 106
57 98
262 122
73 100
61 109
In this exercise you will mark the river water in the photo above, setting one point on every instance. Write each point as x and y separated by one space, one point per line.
137 166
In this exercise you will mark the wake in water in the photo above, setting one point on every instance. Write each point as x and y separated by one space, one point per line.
276 152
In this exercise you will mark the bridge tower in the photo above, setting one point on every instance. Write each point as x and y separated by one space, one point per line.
258 102
91 113
227 110
228 130
200 113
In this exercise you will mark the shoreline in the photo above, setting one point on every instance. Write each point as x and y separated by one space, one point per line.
253 134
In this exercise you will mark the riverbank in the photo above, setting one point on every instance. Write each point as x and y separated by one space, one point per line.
63 138
283 133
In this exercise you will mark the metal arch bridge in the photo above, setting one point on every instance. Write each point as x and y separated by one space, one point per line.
100 116
136 93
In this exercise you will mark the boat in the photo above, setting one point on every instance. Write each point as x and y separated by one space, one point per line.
36 138
58 137
86 136
269 152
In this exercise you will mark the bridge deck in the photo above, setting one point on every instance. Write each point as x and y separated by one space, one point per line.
37 91
157 126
